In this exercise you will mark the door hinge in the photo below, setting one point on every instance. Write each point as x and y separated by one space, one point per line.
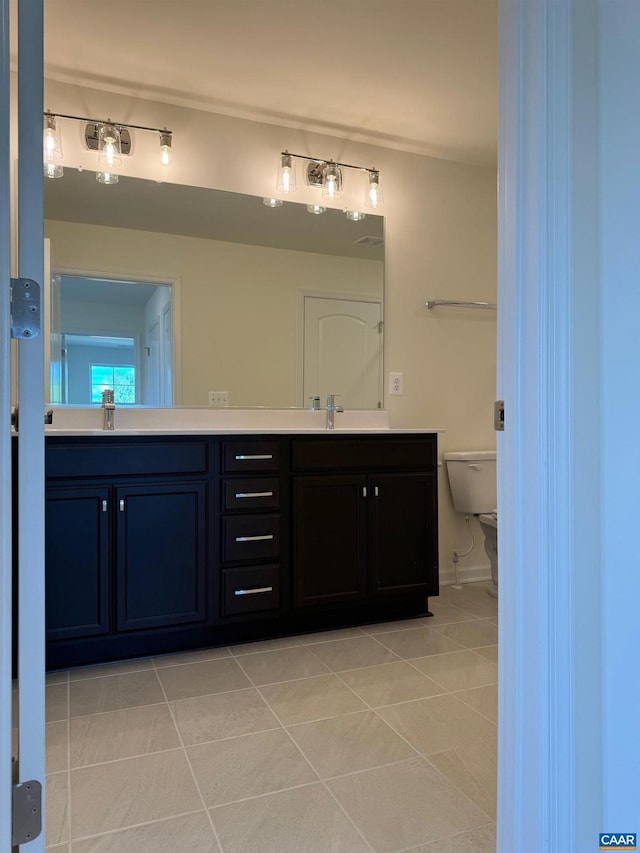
25 308
380 325
498 415
26 812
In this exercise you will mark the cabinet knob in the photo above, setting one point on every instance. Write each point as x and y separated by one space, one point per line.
104 506
122 505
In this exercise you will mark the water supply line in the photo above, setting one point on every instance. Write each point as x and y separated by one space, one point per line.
456 555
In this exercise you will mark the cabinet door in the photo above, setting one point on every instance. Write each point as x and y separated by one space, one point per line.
161 559
329 524
77 562
403 538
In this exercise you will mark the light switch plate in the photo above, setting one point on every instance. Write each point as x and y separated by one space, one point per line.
396 384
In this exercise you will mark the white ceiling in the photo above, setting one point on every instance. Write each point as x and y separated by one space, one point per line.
417 75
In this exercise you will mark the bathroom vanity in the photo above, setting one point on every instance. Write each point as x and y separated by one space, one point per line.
162 542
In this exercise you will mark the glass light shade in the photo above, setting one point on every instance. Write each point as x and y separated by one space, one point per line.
373 197
355 215
272 202
106 178
109 146
53 170
286 174
51 140
316 208
331 181
165 148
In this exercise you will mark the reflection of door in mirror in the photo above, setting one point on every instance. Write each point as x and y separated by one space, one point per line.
108 333
342 342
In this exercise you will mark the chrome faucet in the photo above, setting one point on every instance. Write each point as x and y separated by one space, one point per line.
332 409
109 408
315 404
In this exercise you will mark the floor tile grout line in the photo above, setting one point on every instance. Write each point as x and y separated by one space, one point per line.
69 803
189 764
137 825
126 758
443 838
321 781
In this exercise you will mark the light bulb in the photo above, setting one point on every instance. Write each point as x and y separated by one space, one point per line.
316 208
53 170
165 148
355 215
51 142
106 178
286 174
374 190
331 182
109 145
272 202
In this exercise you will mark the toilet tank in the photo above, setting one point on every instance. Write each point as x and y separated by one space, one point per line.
472 478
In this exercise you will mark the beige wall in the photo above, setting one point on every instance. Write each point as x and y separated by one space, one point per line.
440 220
239 303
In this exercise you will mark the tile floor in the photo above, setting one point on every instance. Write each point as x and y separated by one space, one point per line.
379 738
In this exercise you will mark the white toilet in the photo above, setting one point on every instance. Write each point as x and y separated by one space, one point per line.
472 478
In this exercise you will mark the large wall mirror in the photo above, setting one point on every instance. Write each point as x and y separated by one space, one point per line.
185 295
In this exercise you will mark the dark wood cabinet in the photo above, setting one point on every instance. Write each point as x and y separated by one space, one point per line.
365 519
160 544
160 550
77 553
403 536
330 536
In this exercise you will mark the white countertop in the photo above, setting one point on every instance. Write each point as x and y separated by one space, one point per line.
68 420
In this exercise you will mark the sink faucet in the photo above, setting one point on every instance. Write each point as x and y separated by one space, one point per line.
332 409
109 408
315 404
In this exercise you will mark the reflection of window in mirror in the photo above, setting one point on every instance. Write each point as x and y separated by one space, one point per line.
108 333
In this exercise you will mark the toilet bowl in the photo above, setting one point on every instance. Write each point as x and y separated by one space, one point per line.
472 478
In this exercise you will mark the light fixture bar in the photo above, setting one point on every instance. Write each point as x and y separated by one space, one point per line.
319 160
161 130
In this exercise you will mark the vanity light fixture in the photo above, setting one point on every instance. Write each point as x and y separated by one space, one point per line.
109 138
355 215
315 208
327 175
272 202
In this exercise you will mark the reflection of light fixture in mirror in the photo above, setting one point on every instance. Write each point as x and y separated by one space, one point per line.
110 151
331 181
51 147
165 147
373 197
106 178
326 174
286 173
315 208
355 215
272 202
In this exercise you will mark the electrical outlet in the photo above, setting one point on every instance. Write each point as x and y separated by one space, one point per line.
218 398
396 383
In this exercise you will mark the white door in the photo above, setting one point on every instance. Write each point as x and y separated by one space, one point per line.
30 546
151 361
343 351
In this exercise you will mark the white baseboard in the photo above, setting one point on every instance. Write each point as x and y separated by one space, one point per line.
466 574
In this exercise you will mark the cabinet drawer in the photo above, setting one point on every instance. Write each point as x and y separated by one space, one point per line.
256 493
250 456
105 458
250 590
250 537
364 454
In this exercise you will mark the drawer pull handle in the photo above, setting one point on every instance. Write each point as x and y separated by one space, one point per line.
254 494
255 591
121 506
243 457
104 506
375 492
254 538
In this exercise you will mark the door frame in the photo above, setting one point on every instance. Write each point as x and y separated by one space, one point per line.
174 283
